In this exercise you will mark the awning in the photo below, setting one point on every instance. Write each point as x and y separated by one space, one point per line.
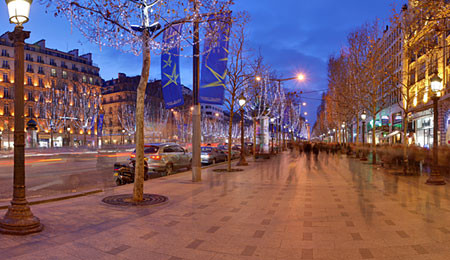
393 133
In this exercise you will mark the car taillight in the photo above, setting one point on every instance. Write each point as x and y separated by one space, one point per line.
133 155
155 157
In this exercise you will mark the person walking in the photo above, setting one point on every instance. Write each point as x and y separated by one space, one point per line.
315 150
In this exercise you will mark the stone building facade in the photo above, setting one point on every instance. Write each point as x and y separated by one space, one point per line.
119 102
62 94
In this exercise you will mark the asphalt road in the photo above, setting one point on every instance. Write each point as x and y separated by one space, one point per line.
55 174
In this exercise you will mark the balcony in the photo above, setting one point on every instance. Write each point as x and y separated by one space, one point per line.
53 64
30 70
29 59
64 66
5 66
41 61
41 72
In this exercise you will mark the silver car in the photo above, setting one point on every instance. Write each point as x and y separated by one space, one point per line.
166 157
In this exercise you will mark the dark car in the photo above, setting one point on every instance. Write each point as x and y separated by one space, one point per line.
166 157
212 155
234 153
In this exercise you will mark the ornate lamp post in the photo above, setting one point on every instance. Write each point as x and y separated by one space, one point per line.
19 219
242 161
435 177
123 136
363 118
68 134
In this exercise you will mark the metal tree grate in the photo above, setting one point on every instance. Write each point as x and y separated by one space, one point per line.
127 200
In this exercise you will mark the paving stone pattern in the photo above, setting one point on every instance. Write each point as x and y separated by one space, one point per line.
284 208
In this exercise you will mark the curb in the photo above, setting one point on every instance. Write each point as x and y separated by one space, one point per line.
58 198
86 193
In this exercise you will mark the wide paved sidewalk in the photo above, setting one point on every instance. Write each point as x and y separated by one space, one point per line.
283 208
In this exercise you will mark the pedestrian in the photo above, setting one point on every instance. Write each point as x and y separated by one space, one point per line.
315 150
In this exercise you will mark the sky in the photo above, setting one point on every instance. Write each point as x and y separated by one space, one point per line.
294 36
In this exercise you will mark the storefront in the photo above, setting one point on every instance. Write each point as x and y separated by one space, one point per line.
397 127
424 128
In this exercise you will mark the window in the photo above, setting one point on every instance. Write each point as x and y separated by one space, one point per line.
5 77
29 81
178 149
5 53
30 111
151 149
6 109
30 68
5 93
41 70
53 73
74 67
63 64
168 149
75 77
64 74
91 80
52 62
30 95
84 79
39 59
28 57
5 64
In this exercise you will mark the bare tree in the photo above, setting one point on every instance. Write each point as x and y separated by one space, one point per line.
238 69
110 22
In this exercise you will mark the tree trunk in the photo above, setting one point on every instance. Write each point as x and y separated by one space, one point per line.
357 130
405 144
51 138
230 138
254 137
84 133
138 189
374 152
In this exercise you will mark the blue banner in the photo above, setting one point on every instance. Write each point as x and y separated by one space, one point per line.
170 68
93 125
100 125
214 63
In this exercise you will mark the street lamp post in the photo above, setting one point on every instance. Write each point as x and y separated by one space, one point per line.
196 113
242 161
363 118
435 176
19 220
123 136
68 134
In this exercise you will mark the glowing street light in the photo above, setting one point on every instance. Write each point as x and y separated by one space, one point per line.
242 161
19 220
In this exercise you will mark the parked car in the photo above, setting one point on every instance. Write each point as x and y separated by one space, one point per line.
212 155
234 153
166 157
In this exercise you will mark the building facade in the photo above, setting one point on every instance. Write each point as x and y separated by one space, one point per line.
428 55
62 94
160 124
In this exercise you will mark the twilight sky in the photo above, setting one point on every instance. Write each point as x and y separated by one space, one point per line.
293 36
